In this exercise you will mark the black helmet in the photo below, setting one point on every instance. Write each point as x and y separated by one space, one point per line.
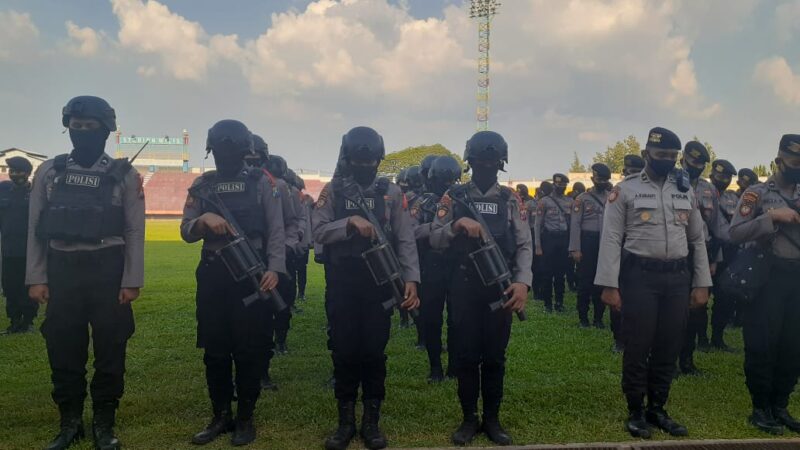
91 107
277 166
362 143
230 136
19 164
486 145
292 178
414 178
425 165
445 168
401 176
260 147
299 182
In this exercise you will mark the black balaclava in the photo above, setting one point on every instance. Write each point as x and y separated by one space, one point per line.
790 174
484 174
88 145
364 175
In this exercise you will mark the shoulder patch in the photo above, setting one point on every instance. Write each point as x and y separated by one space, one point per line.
577 204
748 203
612 197
444 206
323 197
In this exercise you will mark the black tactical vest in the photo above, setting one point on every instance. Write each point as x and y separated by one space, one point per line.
14 203
426 207
241 196
80 208
345 206
495 213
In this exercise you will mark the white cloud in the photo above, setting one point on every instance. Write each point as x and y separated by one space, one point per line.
83 41
146 71
787 18
776 73
151 28
594 136
18 35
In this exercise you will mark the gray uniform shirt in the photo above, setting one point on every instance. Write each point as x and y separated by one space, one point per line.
308 205
328 230
752 223
531 206
727 208
587 215
652 221
442 233
273 218
128 193
299 222
552 214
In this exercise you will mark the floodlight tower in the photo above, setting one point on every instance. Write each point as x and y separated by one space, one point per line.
484 11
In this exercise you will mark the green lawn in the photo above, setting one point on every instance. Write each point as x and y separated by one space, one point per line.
562 382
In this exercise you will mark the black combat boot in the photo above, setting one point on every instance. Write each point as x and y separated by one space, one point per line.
469 426
281 348
103 427
340 439
221 423
688 368
370 431
244 430
636 424
13 327
782 416
765 421
702 344
491 425
267 384
657 416
584 321
71 426
437 373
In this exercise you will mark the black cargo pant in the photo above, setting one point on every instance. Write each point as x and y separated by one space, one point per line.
230 333
84 291
724 307
359 330
301 273
772 338
655 301
19 307
555 261
433 300
286 287
588 293
480 338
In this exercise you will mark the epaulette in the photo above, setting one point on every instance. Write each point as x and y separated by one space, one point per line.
60 162
119 168
506 193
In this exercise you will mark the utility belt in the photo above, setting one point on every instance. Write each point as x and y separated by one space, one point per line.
659 265
590 234
555 234
87 257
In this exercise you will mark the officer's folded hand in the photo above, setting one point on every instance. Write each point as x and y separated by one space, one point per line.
468 226
127 295
269 281
576 256
784 215
39 293
519 296
362 226
611 297
699 298
210 222
539 251
411 300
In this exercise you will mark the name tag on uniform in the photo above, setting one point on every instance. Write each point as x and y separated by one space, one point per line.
76 179
231 186
351 205
486 208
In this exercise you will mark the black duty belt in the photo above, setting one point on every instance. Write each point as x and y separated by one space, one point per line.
556 233
587 233
660 265
87 256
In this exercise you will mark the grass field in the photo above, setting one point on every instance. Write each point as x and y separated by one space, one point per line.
562 382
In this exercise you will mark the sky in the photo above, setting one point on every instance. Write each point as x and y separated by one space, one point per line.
567 76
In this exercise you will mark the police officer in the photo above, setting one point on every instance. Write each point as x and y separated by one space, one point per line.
401 180
359 325
694 160
632 164
551 235
435 265
744 179
295 185
306 243
480 336
14 200
85 258
649 226
539 272
416 187
768 215
584 242
228 331
722 173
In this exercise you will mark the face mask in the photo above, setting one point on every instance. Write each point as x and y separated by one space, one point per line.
438 187
694 172
602 186
721 186
661 167
792 175
484 177
19 179
559 190
87 145
364 175
228 164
